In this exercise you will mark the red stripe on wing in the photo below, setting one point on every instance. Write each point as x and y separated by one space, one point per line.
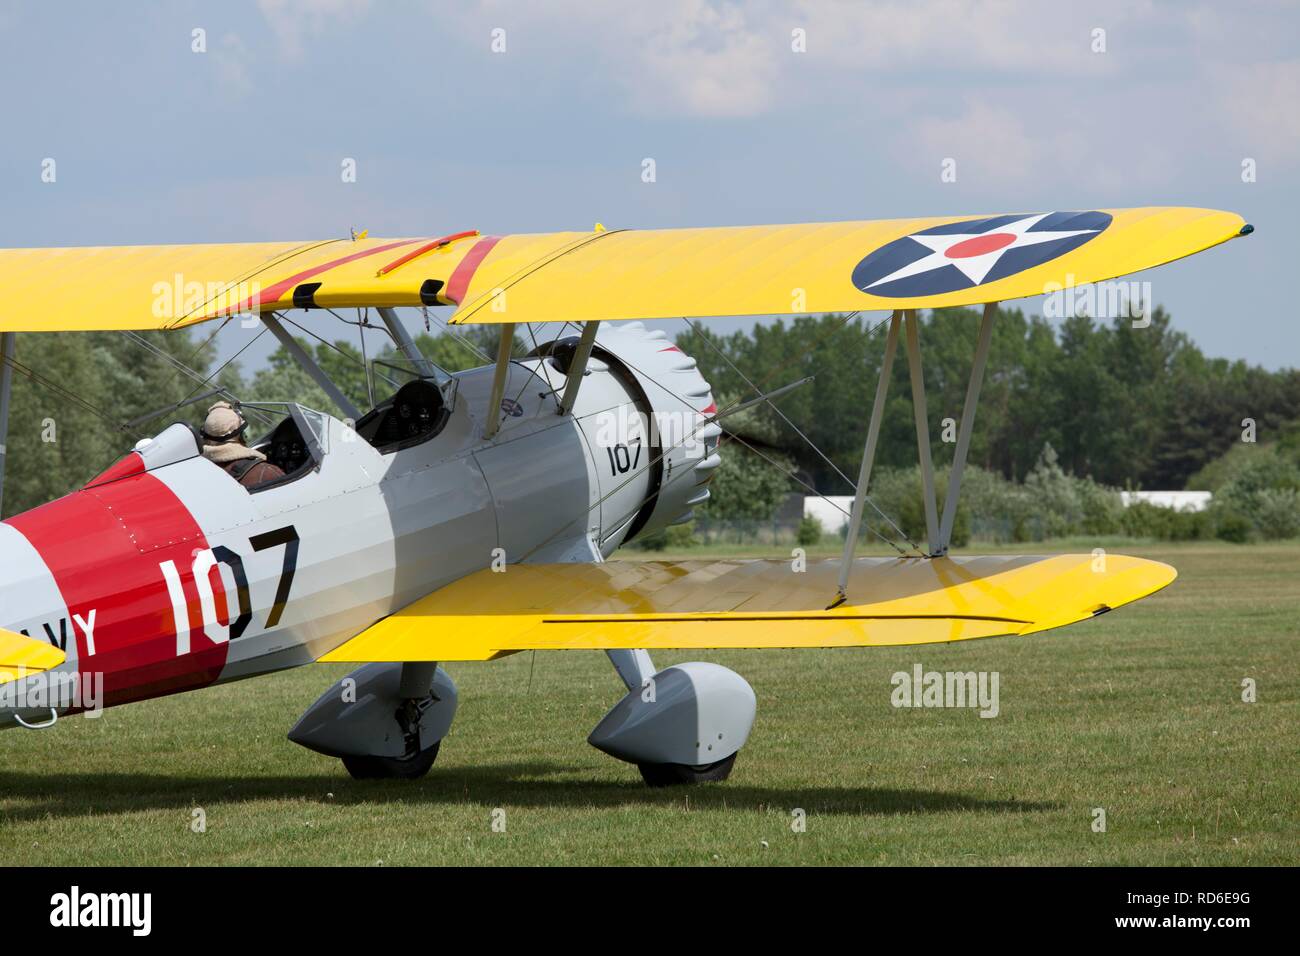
273 293
465 269
427 247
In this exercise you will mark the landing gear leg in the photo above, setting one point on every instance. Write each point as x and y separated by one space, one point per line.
413 688
387 725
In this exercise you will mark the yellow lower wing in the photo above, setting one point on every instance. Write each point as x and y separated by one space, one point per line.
751 604
21 656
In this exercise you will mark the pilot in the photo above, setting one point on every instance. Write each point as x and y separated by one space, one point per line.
223 443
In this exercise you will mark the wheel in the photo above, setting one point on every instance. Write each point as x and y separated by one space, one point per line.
392 768
675 774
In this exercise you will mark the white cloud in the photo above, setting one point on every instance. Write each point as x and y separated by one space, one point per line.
999 149
296 22
1259 101
1004 36
718 58
988 142
707 60
231 58
1014 84
696 57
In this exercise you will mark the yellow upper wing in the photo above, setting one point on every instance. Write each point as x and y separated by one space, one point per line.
160 287
575 276
751 603
818 267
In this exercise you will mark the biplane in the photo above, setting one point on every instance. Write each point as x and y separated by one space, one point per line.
471 516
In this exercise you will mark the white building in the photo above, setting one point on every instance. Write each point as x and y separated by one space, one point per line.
824 510
832 520
1178 500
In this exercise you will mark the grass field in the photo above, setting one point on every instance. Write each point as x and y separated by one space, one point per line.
1138 712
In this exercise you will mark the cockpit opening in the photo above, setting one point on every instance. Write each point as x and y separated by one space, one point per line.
287 451
295 445
416 413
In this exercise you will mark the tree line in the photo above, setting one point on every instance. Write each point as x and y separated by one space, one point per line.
1138 407
81 400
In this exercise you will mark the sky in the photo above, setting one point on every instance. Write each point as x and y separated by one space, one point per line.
206 122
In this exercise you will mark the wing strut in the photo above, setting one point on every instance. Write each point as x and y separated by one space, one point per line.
499 377
404 342
868 455
7 340
309 366
922 429
578 366
967 426
939 532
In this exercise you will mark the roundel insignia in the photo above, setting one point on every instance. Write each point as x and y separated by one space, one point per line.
961 255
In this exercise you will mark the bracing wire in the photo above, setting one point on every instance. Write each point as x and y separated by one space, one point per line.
732 436
811 444
34 376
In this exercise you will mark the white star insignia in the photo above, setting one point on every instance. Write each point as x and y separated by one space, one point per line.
976 253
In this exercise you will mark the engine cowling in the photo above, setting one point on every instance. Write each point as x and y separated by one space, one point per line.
642 409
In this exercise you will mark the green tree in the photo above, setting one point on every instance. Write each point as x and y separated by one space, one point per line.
284 380
1126 405
74 395
745 487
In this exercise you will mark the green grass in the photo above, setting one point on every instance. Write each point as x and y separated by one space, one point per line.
1138 712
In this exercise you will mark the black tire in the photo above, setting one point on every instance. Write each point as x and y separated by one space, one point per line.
676 774
392 768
